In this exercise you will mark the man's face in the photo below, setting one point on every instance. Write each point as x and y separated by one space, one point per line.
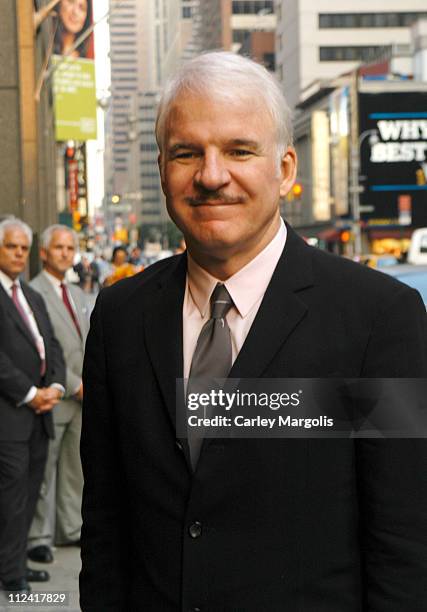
220 176
14 252
120 257
59 255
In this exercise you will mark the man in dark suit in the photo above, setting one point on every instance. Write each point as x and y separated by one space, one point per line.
32 379
313 525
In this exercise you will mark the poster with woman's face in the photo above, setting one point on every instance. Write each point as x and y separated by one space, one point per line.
74 18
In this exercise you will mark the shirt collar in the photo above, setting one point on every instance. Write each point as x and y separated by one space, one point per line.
7 282
245 287
53 280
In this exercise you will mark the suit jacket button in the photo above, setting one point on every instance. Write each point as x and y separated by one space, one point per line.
195 530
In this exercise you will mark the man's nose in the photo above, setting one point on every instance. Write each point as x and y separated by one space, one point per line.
212 173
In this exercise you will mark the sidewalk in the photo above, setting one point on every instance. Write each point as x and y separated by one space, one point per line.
64 572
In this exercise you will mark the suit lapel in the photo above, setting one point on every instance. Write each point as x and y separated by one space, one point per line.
11 309
81 309
56 303
163 332
38 315
280 312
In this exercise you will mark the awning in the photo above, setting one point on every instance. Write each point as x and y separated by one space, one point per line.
330 235
392 232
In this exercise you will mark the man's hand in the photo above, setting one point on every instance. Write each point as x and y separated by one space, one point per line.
79 394
45 399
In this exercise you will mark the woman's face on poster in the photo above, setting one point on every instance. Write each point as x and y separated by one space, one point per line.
73 14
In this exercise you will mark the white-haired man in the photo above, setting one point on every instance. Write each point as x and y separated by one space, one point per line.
57 519
246 525
32 379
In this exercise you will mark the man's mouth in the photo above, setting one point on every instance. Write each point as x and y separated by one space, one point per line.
212 202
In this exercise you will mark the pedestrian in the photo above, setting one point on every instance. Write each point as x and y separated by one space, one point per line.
120 267
32 379
320 525
57 518
88 273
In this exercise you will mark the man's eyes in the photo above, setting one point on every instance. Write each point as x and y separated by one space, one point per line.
193 154
241 153
184 155
15 247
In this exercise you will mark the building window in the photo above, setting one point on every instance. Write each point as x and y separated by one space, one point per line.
252 7
148 146
368 20
350 54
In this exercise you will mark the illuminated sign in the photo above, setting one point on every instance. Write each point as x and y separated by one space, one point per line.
393 153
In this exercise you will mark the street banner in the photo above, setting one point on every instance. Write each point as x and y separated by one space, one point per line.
75 99
74 72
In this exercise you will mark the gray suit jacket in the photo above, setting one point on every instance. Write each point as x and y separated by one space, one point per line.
70 341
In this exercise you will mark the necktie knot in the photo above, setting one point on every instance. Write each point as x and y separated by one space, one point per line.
221 302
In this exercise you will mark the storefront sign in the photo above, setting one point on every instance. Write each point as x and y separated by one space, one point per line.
393 152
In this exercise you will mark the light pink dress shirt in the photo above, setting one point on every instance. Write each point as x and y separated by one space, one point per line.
246 288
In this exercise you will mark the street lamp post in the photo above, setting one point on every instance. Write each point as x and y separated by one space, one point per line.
356 189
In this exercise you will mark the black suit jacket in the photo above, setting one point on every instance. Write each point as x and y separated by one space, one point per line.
20 365
298 525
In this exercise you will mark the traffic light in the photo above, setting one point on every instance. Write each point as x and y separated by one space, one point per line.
297 190
295 193
345 236
76 221
70 152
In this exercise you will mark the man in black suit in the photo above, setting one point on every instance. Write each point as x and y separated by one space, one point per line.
32 379
248 525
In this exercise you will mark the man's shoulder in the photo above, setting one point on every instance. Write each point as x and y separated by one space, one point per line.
347 275
144 283
37 283
33 288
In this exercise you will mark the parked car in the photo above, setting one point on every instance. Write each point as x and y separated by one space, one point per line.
417 253
414 276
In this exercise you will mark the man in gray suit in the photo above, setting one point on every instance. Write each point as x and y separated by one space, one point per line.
58 519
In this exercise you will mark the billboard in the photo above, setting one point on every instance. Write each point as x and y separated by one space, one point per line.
393 153
74 72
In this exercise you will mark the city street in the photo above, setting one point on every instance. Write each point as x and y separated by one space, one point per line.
64 572
213 299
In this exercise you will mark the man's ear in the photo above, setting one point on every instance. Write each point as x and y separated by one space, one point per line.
160 163
288 171
43 254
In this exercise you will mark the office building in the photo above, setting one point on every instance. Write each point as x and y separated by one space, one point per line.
323 39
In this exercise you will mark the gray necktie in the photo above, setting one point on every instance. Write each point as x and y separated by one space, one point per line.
212 358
